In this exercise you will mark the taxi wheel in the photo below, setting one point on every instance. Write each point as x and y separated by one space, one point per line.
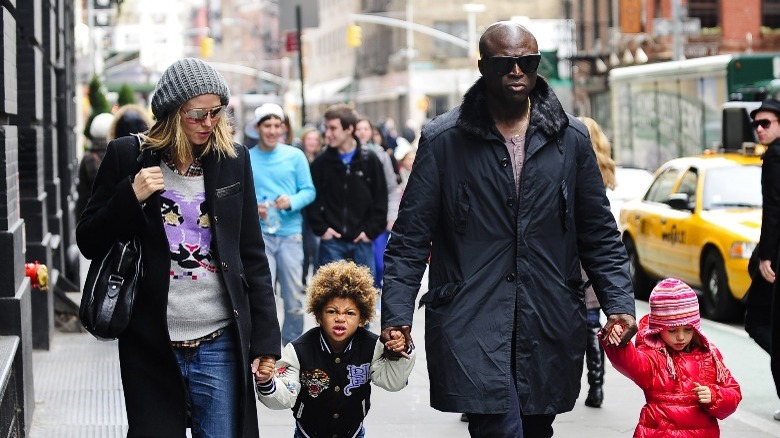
718 303
643 284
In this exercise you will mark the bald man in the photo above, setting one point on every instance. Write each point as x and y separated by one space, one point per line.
507 198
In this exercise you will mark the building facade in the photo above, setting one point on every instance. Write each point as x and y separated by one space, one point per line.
615 33
38 165
408 75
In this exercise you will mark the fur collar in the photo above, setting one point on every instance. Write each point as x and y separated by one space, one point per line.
547 114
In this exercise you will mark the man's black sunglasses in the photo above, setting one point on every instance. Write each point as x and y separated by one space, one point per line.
504 64
764 123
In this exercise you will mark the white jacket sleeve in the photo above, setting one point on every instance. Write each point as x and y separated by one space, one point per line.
282 391
392 375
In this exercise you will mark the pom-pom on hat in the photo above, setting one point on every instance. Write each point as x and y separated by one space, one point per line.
183 80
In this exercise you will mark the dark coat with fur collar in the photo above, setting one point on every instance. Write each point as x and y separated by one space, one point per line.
153 387
504 280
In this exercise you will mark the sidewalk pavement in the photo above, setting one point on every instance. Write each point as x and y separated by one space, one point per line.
78 393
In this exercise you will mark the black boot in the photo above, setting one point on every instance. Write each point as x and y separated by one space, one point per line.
594 359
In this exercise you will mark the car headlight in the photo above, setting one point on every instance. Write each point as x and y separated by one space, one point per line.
742 250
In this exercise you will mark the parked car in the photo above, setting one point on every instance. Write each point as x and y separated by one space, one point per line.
632 183
699 221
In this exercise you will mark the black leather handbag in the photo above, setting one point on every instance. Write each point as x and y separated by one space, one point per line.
107 299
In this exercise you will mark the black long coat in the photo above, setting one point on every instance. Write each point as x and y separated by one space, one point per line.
504 279
153 387
769 245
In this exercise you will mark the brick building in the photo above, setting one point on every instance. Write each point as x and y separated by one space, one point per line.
37 169
614 33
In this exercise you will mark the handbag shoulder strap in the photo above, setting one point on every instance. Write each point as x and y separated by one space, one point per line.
146 157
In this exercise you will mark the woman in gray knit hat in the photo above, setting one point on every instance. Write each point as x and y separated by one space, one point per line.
204 318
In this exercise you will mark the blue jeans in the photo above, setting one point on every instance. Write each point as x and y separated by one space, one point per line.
512 424
212 373
311 249
380 243
594 318
361 253
285 258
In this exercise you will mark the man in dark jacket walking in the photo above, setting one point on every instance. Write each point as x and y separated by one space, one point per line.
350 209
767 126
507 199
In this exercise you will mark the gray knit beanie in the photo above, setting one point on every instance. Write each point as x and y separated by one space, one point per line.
183 80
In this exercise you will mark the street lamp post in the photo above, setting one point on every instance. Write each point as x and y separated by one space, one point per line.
472 9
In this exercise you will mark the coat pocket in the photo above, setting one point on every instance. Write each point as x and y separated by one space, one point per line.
229 190
440 295
563 208
462 208
577 285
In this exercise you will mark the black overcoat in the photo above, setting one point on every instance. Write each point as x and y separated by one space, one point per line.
769 245
153 387
504 280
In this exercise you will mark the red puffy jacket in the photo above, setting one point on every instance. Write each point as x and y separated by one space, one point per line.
672 408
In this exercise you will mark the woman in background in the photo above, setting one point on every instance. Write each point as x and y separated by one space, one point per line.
311 143
128 120
364 131
594 352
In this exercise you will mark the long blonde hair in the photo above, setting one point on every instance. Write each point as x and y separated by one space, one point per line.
168 133
603 152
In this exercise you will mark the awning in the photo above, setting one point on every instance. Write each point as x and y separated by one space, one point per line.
327 92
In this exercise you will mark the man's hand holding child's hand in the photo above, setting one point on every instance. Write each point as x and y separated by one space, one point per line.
614 335
628 328
397 343
388 334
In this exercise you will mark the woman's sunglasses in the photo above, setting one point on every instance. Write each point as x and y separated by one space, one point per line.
504 64
200 114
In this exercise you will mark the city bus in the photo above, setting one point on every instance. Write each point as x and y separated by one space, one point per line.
670 109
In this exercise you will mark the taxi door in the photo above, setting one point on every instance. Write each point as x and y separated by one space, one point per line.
649 222
678 257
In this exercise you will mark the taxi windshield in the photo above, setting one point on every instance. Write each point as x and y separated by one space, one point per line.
732 187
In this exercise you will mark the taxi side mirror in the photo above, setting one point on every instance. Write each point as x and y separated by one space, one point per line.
679 201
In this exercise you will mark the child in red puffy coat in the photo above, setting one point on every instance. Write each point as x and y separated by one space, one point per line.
687 387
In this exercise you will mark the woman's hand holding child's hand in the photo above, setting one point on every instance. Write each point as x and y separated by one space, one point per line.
397 343
263 368
703 393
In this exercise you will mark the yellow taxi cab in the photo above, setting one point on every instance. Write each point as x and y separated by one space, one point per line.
699 221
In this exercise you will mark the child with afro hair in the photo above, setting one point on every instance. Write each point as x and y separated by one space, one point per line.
324 376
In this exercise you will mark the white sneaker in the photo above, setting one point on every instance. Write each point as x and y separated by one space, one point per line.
777 415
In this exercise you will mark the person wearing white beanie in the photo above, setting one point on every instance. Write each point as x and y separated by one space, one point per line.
204 317
283 188
90 162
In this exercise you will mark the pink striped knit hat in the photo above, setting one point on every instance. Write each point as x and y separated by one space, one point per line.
674 304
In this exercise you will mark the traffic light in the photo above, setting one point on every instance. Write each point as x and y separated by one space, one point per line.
291 41
206 47
354 35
